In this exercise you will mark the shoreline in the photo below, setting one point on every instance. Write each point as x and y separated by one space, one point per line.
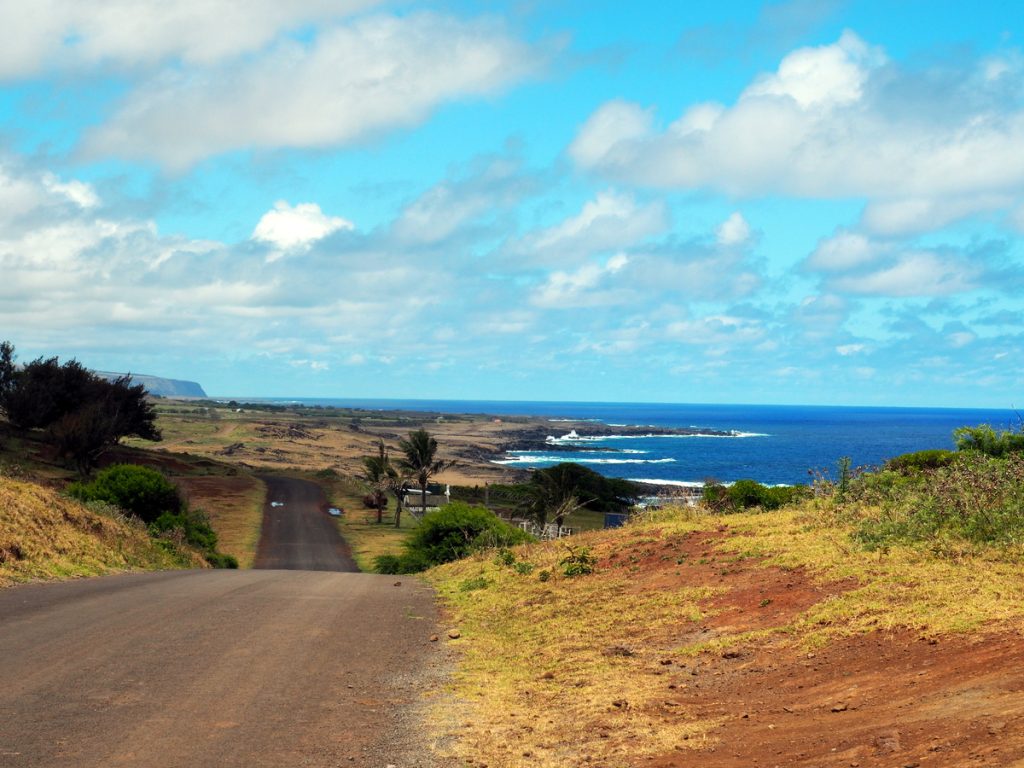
276 436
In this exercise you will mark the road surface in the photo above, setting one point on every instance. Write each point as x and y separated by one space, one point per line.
298 534
217 668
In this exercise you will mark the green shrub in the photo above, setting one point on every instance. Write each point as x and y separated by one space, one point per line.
457 529
139 491
221 560
471 585
919 461
984 439
750 494
407 562
976 498
579 562
450 533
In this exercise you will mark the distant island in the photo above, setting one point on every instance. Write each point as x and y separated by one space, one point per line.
161 387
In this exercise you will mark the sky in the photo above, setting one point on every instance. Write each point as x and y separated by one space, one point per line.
800 201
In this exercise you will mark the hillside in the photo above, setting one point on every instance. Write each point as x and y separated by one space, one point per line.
739 640
161 387
46 535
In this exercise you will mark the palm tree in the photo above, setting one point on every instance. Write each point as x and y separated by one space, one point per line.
551 494
381 475
420 450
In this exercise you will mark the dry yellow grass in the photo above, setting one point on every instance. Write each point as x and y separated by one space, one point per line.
541 671
44 535
565 668
234 504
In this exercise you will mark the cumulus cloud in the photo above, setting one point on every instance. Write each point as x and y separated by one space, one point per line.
921 273
580 288
719 330
296 228
845 250
70 35
733 231
612 220
347 85
833 121
492 184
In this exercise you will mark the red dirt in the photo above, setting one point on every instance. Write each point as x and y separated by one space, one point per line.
879 699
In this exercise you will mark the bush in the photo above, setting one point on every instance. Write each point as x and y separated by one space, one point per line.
750 494
579 562
986 440
451 533
976 498
910 463
139 491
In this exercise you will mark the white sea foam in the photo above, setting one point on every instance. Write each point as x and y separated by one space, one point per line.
534 458
574 439
678 483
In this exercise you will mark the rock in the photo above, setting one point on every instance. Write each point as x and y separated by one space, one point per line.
549 675
620 704
398 583
433 638
840 707
730 654
454 634
665 662
888 742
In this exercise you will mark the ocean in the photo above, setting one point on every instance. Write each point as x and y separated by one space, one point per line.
776 444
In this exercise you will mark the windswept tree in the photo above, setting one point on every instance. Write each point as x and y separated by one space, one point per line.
420 461
381 475
82 414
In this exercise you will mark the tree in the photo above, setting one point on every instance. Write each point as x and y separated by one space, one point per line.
556 492
83 414
421 461
381 475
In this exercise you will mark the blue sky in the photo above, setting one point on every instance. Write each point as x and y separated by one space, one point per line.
785 202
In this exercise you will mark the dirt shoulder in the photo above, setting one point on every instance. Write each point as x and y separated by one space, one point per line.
761 640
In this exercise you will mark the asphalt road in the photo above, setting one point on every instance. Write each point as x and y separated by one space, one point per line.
217 668
298 534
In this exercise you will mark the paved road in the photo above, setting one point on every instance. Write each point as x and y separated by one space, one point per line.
298 534
216 669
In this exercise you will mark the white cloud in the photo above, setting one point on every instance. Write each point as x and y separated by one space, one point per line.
831 122
610 221
912 216
565 290
347 85
845 250
919 273
71 34
733 231
822 77
448 207
296 228
846 350
717 330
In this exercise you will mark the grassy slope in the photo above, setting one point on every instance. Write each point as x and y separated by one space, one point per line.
553 663
230 495
44 535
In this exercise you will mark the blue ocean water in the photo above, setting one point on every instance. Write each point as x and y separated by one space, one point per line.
780 443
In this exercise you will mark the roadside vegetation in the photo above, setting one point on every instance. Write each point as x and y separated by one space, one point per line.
150 497
46 535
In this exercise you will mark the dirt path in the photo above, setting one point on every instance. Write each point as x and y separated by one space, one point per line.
298 534
222 668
